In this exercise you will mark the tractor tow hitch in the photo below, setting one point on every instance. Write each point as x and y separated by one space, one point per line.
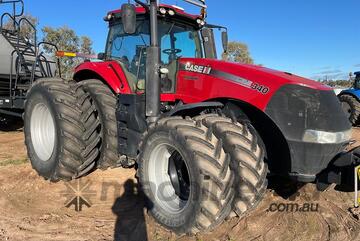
344 171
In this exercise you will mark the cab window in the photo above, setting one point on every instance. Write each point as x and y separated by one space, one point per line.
177 41
130 50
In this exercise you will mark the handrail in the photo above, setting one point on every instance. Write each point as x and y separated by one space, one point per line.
57 49
33 27
14 13
18 21
11 17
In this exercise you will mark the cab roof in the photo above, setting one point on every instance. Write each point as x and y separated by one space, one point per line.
178 11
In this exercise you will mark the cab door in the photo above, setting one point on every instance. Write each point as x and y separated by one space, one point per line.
130 52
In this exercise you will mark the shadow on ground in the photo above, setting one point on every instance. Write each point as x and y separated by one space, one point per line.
10 123
129 209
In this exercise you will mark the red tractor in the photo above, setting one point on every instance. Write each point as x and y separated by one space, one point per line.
203 134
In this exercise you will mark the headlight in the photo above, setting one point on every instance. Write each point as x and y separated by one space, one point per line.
323 137
163 11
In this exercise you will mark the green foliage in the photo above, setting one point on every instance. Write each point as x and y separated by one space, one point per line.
66 39
86 45
238 52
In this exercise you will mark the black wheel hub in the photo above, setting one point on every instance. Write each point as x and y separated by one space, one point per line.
179 176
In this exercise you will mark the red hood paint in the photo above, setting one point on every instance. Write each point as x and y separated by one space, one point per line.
258 73
263 82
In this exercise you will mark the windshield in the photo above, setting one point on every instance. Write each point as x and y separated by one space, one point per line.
176 40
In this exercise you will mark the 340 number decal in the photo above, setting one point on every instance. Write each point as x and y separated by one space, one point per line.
260 88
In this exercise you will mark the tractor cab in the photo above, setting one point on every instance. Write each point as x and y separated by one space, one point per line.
180 35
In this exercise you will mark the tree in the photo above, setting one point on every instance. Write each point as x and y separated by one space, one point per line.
86 45
66 39
238 52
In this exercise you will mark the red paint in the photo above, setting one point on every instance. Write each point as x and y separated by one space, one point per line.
139 10
109 71
207 87
201 87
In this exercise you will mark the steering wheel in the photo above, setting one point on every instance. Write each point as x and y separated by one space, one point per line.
172 51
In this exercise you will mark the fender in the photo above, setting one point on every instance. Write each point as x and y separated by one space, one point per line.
110 72
353 92
190 107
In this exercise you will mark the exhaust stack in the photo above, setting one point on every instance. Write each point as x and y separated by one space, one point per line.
153 65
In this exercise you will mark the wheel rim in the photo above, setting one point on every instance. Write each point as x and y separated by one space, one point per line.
347 109
169 178
42 128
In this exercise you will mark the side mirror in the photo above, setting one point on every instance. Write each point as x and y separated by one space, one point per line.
101 56
128 18
225 40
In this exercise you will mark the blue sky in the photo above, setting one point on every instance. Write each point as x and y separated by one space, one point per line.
312 38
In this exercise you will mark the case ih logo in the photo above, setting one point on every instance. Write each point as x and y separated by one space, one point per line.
198 68
262 89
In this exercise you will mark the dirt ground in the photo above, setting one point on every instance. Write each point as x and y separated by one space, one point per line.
112 208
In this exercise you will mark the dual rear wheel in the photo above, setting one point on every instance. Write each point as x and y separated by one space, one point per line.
194 172
60 130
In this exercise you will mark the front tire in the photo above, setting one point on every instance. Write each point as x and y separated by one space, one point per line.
185 175
60 130
351 107
247 152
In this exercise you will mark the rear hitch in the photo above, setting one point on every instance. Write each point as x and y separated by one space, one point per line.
341 171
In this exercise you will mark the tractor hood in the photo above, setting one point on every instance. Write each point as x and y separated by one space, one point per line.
219 79
255 73
307 113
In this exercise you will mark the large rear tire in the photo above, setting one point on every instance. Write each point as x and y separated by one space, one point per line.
60 130
351 107
247 152
105 103
185 175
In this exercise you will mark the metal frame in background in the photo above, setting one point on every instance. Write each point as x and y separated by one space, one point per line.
15 14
